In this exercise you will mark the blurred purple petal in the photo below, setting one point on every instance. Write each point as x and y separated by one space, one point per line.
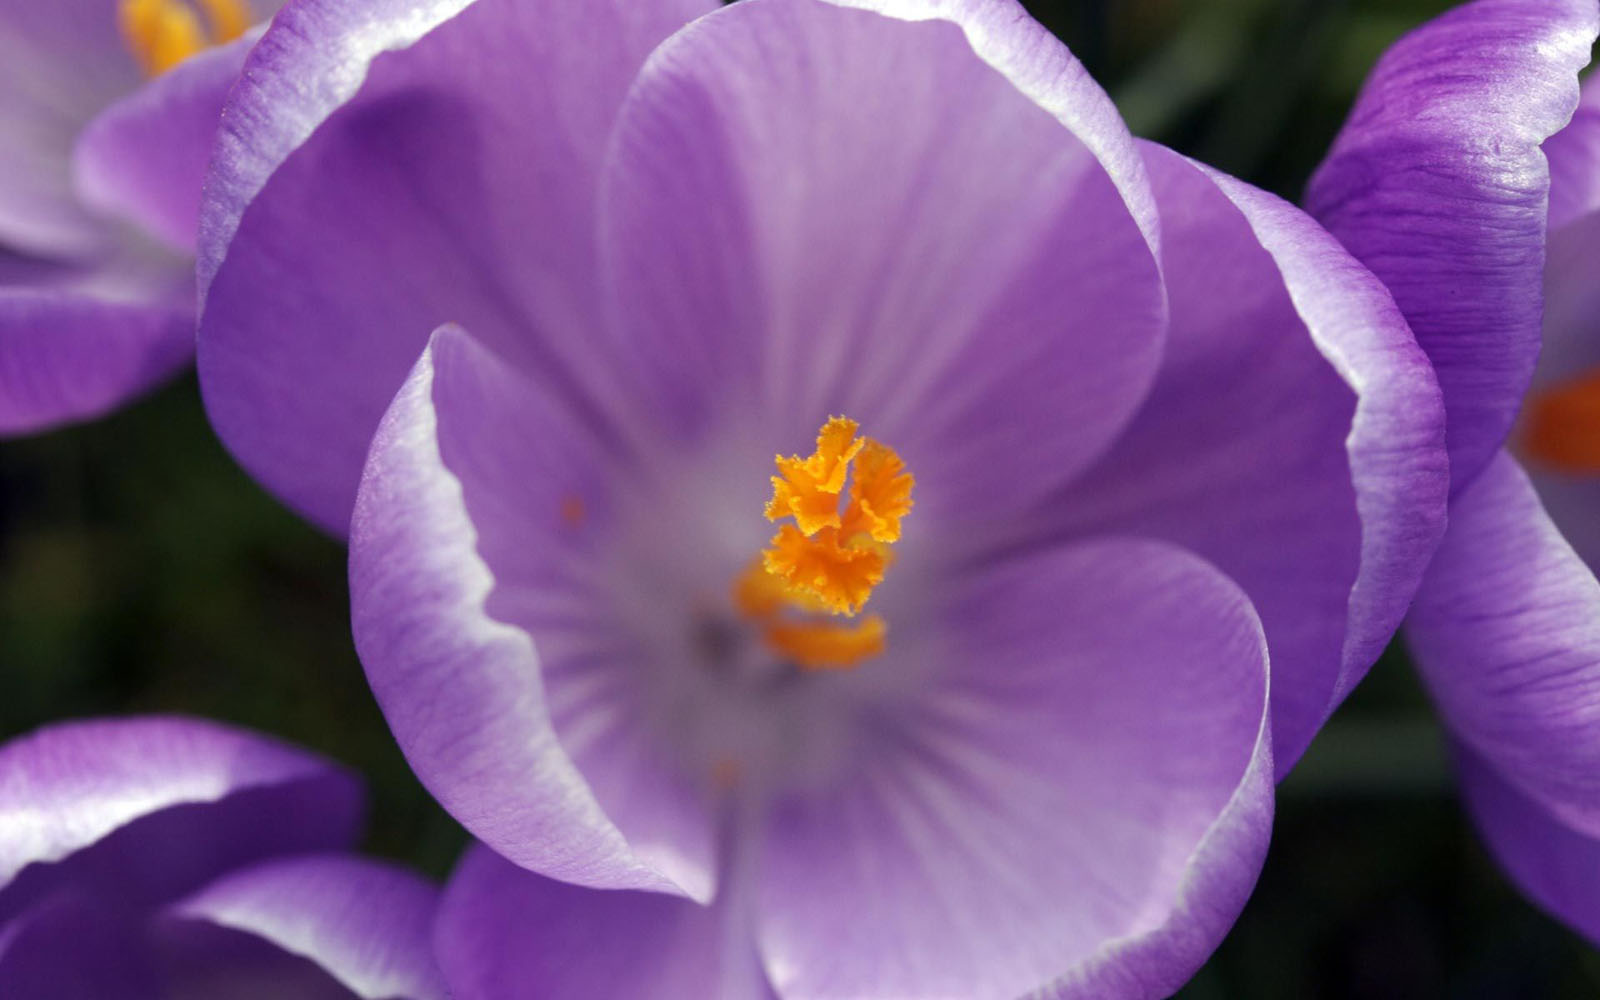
60 63
144 809
1438 183
144 157
1098 752
501 928
1574 155
368 925
67 356
75 947
1293 437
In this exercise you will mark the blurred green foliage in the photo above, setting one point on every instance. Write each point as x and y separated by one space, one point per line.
141 571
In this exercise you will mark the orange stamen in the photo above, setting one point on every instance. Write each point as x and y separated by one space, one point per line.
1561 428
163 33
828 561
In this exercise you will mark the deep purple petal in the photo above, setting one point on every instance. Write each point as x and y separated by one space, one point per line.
1294 437
66 355
456 185
501 928
1084 801
1574 155
73 946
144 157
63 61
143 809
812 210
1506 632
367 924
1556 865
462 691
1439 185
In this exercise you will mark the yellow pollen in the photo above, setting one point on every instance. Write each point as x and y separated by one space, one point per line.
829 560
163 33
1562 425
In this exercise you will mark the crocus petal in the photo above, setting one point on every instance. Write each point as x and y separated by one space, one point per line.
457 185
60 63
813 210
1506 632
1294 437
72 946
1080 807
1438 184
146 808
1571 351
462 691
1574 155
68 356
369 925
501 928
1556 865
144 157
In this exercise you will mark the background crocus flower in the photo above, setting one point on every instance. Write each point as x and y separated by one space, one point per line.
1157 426
153 857
107 115
1439 183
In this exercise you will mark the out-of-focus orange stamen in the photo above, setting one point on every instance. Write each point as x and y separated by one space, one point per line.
1561 428
163 33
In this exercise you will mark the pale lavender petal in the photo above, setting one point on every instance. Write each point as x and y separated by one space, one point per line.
369 925
1574 155
462 691
1294 437
450 180
67 356
502 928
813 210
1506 632
145 808
1555 864
144 157
1081 806
60 63
1439 185
72 946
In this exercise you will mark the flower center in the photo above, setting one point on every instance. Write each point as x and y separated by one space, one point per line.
825 564
1562 425
163 33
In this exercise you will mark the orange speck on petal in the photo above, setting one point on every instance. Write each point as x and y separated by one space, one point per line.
572 510
1562 426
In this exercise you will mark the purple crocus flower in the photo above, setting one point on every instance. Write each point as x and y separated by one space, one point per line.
966 694
154 857
1439 183
107 115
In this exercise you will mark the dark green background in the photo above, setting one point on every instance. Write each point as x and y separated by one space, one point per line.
141 571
